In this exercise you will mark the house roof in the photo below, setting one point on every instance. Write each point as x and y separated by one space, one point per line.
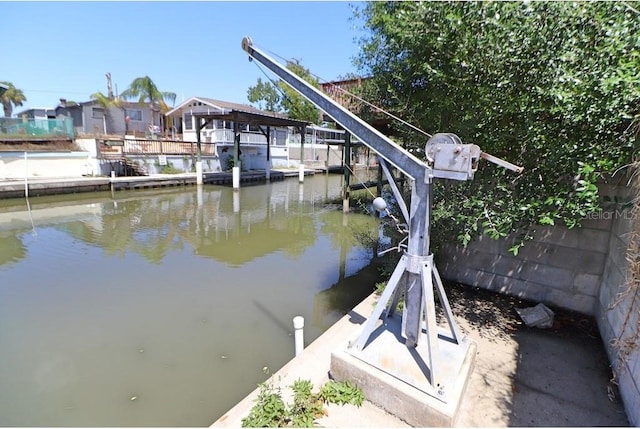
35 109
225 110
215 104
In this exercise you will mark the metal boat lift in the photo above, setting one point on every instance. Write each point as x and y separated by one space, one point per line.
448 158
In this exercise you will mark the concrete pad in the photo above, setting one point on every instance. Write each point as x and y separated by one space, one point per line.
397 379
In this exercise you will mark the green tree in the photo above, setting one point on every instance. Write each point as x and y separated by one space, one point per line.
12 97
145 91
551 86
280 97
264 95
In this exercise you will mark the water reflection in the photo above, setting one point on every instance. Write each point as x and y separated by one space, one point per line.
160 308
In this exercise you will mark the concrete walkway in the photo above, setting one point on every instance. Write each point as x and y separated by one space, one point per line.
522 376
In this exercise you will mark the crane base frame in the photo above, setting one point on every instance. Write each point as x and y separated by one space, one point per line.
387 373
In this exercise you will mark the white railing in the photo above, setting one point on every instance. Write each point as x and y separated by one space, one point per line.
226 137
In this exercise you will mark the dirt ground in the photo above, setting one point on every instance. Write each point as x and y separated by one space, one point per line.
526 376
44 145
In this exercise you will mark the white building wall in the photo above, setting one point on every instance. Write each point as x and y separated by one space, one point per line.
14 165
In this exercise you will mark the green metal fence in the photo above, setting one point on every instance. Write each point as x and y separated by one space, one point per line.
16 127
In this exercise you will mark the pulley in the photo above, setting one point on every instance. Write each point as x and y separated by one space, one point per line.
450 158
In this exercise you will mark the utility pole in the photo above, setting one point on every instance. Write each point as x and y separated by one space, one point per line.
109 89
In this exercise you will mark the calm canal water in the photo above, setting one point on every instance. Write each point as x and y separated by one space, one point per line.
160 308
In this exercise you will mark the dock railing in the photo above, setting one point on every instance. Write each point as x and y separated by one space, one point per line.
154 147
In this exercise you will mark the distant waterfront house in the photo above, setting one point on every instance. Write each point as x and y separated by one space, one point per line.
221 131
36 123
92 118
217 129
37 113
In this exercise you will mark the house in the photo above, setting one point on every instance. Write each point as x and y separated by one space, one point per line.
342 92
217 129
93 118
321 145
221 131
37 113
37 123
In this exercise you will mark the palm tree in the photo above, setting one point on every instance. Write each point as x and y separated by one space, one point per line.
12 97
146 91
107 102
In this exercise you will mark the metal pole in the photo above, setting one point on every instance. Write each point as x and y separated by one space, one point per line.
26 174
199 179
268 169
328 155
236 156
347 172
379 180
303 131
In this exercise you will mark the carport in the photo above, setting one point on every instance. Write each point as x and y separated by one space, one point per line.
263 121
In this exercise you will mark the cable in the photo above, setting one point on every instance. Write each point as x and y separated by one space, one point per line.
270 80
284 95
376 108
346 165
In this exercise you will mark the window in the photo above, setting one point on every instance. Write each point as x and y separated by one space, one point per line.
188 122
281 138
97 112
134 114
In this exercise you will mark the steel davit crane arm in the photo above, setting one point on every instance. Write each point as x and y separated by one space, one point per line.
449 159
386 148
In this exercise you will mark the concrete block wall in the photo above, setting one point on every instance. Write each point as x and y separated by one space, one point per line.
562 267
621 320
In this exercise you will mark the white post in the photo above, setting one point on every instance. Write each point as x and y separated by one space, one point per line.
199 180
236 177
236 202
26 175
199 195
298 326
301 173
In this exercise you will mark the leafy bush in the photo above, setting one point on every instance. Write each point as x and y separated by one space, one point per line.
551 86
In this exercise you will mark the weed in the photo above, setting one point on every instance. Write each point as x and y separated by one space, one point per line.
170 169
380 288
270 409
341 392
